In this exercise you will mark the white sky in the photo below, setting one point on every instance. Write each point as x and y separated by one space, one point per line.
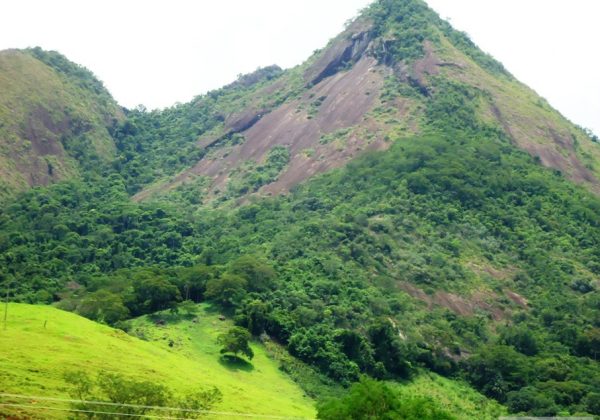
158 52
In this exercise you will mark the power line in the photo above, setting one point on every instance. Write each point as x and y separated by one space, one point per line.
153 407
75 410
150 407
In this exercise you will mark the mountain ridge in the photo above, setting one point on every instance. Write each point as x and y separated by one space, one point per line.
397 203
411 46
432 51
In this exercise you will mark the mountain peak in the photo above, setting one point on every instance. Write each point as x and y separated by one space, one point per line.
395 71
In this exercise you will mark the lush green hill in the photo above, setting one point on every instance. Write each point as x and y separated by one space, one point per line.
490 257
55 119
427 212
41 343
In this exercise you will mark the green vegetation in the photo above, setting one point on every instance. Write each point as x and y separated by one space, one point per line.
135 398
454 396
152 145
338 135
369 399
402 26
236 341
314 106
252 177
73 72
419 212
405 25
42 344
450 260
55 120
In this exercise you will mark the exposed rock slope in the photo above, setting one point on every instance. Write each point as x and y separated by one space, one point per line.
368 88
52 120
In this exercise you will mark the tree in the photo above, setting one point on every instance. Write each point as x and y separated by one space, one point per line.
522 339
201 400
254 316
389 350
192 281
188 306
592 403
228 290
356 348
370 400
235 341
122 390
155 294
103 306
259 275
316 345
497 370
532 401
133 397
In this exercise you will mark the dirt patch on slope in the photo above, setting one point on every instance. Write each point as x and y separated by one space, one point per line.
39 109
517 298
460 305
525 117
498 273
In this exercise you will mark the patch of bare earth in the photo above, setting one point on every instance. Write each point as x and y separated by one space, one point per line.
44 137
465 305
498 273
343 86
517 298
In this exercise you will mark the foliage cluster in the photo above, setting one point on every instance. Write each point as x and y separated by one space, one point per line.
252 177
135 398
370 399
405 25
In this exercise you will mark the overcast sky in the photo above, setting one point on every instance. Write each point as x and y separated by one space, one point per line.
158 52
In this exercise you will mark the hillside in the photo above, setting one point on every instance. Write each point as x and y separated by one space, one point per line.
55 119
368 88
41 344
399 206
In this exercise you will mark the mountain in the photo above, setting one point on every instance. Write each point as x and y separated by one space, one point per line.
55 118
368 88
398 206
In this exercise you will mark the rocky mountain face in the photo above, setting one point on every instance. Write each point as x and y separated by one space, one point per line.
55 119
367 89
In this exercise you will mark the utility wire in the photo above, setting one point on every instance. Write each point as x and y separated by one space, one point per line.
75 410
151 407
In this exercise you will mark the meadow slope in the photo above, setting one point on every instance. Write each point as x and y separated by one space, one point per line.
41 343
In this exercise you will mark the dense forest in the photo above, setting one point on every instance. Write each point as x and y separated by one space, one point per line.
451 251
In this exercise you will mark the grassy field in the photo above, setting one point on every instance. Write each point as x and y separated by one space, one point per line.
41 343
195 338
458 398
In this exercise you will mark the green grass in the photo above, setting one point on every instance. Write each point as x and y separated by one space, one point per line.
456 397
42 342
195 338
